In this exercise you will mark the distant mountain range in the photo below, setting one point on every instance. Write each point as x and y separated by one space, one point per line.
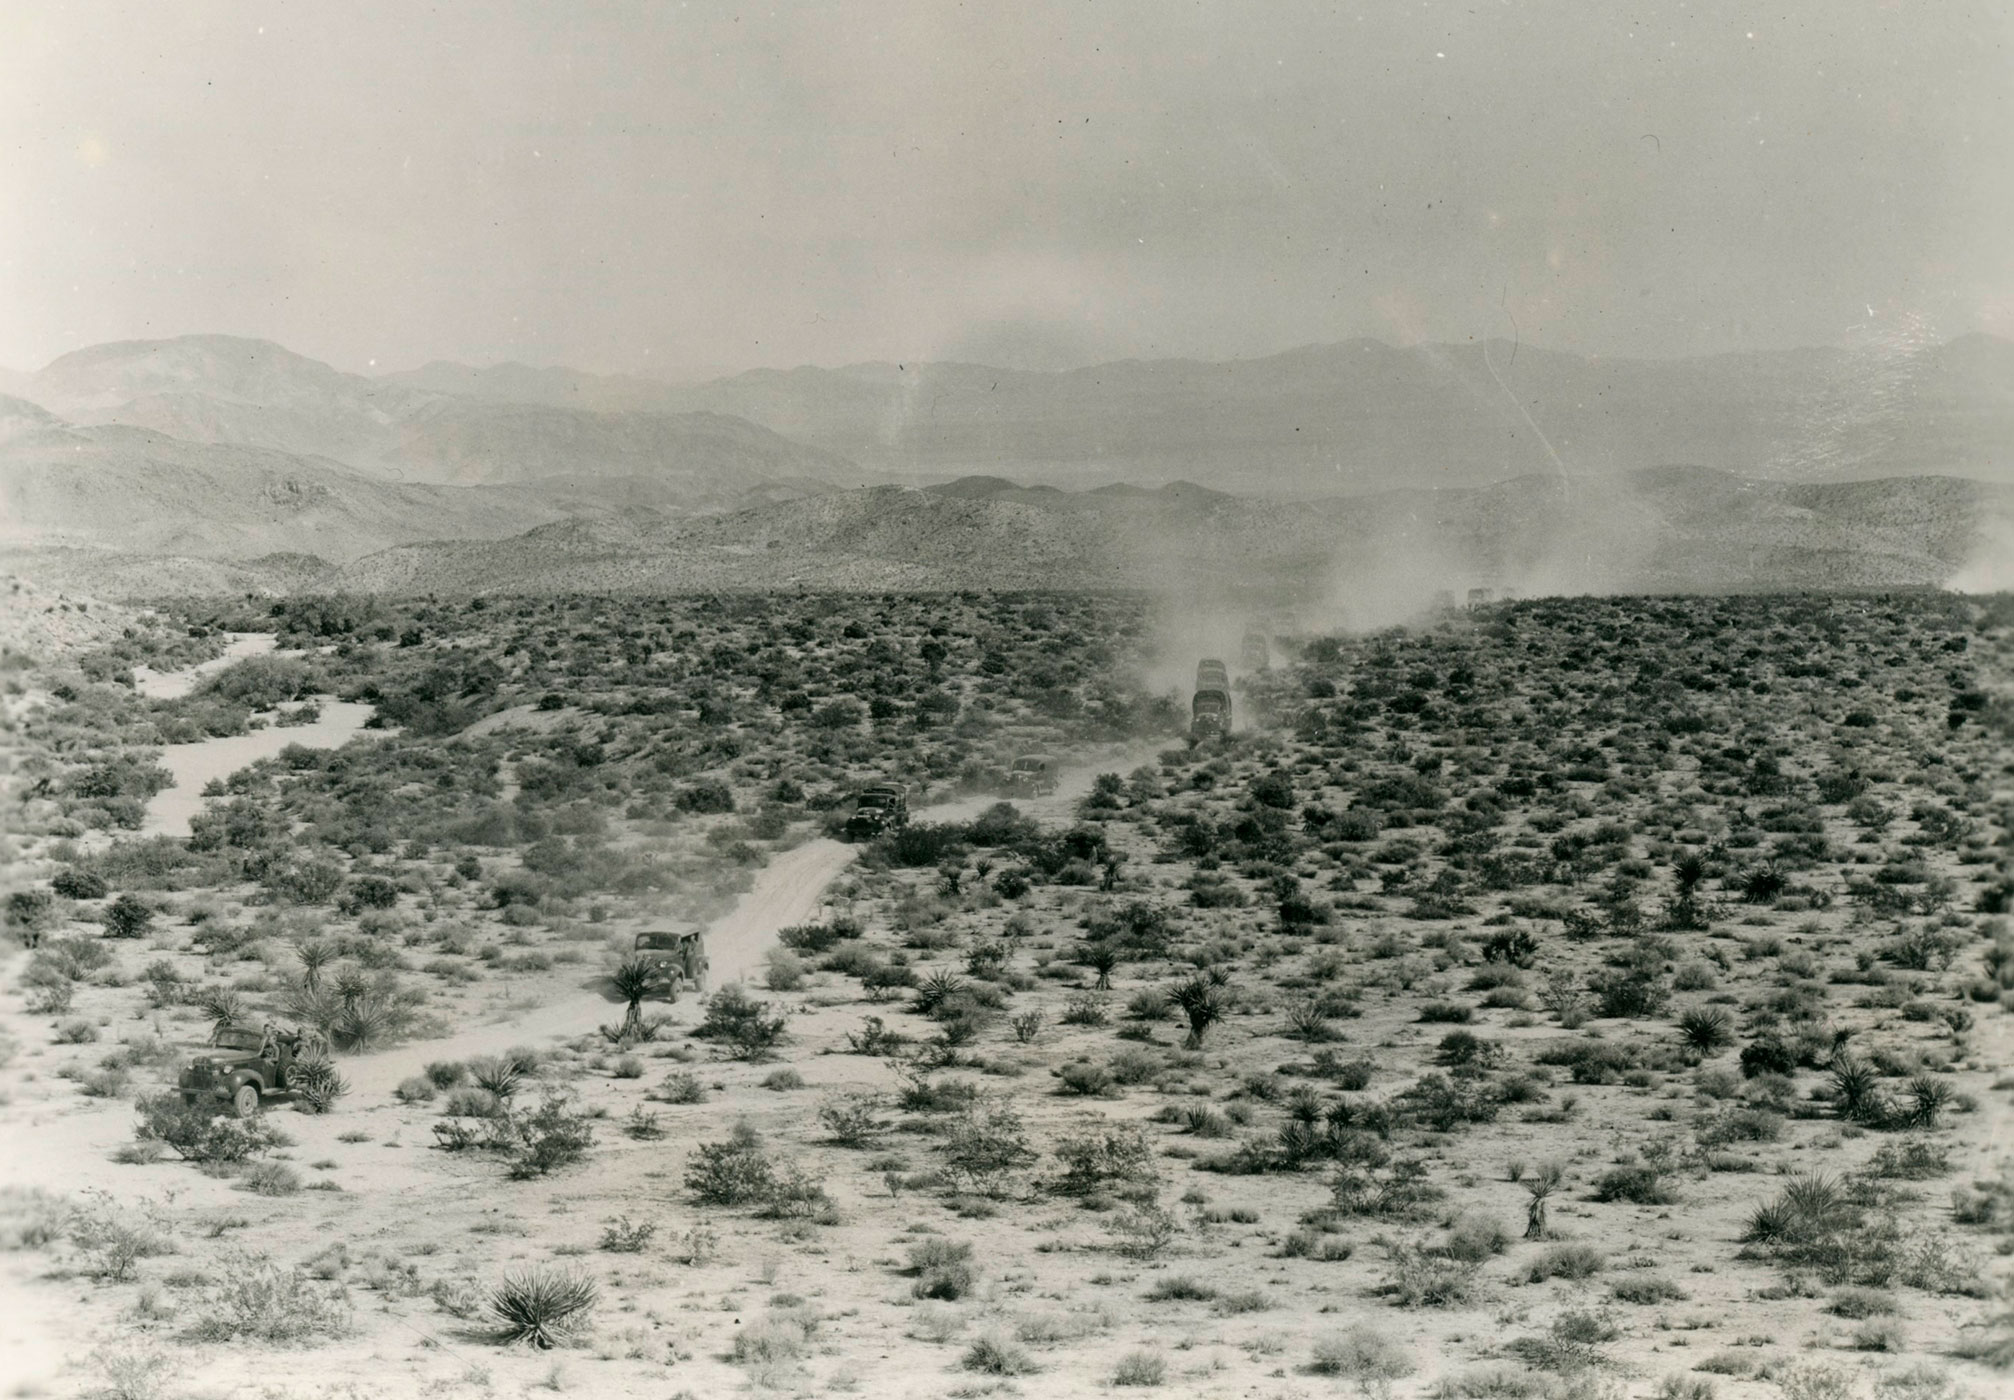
1361 415
214 463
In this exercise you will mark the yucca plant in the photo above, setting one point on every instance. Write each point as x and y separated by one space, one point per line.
634 979
542 1306
314 957
222 1005
935 990
1772 1222
316 1084
1539 1186
1929 1096
1103 959
1202 1003
1706 1029
500 1075
1857 1087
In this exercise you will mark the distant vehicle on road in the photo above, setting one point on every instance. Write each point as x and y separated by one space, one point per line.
1210 711
1031 776
878 810
681 956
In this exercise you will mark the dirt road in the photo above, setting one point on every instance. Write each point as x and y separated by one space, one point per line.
787 891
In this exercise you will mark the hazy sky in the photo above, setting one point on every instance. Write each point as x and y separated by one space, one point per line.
654 187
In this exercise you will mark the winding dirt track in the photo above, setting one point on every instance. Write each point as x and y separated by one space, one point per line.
787 891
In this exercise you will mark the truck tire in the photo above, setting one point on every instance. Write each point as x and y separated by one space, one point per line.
245 1100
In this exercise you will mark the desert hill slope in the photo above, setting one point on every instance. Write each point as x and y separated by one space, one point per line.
1676 528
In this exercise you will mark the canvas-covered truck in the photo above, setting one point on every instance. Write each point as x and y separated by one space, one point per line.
1031 776
878 810
1210 711
679 955
248 1063
1256 654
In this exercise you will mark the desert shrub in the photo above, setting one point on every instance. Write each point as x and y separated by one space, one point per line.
1115 1154
547 1138
1421 1277
1646 1289
1474 1238
415 1089
1365 1355
270 1178
625 1236
1141 1368
998 1355
1643 1185
748 1028
257 1300
854 1119
736 1172
111 1240
942 1269
1568 1261
1143 1231
541 1306
983 1147
779 1338
198 1133
1085 1078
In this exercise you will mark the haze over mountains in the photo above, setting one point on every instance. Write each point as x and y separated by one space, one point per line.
211 462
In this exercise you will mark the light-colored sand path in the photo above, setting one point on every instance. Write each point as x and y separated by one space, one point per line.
173 685
787 891
170 810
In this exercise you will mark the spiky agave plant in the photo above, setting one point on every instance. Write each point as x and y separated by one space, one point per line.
634 979
1706 1029
540 1306
1202 1002
1857 1087
316 1084
1539 1186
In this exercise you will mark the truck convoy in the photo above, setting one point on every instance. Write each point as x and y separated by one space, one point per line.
1210 711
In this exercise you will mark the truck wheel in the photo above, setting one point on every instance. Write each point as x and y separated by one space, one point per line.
245 1102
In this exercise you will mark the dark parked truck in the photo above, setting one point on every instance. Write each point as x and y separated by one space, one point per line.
877 811
246 1064
1031 776
681 957
1210 712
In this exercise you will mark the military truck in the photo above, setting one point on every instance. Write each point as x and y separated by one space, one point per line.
1479 598
681 957
878 810
1256 655
251 1062
1031 776
1210 711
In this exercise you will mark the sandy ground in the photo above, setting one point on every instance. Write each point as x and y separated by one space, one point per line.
196 765
173 685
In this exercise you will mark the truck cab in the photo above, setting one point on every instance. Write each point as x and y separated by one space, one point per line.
247 1064
1031 776
681 956
878 810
